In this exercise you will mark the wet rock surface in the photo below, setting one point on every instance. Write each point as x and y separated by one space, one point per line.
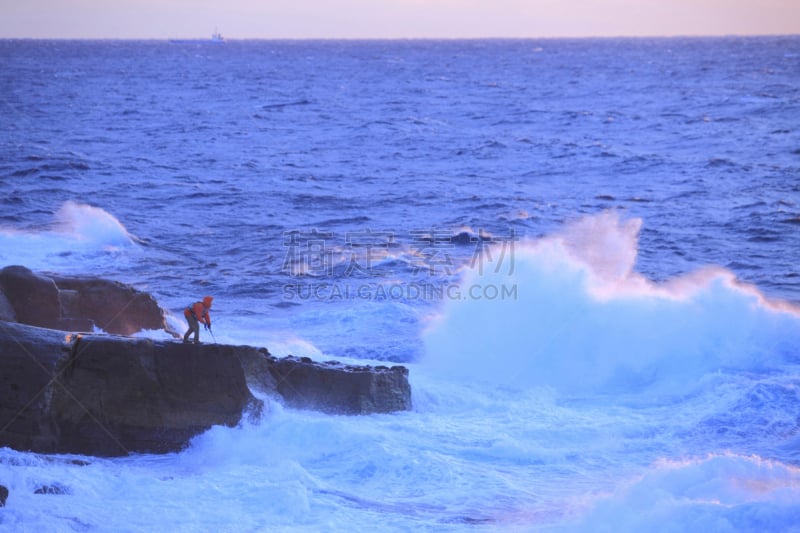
109 395
76 303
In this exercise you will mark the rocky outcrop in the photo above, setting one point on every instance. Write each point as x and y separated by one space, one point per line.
33 297
3 495
76 303
28 359
107 395
114 307
99 394
110 395
6 310
342 389
330 387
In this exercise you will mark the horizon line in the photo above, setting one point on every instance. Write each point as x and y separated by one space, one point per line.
484 38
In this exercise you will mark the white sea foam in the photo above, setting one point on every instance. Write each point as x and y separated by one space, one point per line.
490 440
585 321
77 230
721 492
490 445
92 225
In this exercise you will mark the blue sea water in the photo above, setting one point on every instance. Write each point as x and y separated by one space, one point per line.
585 251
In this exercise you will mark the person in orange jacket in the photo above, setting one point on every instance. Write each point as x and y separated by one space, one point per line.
196 314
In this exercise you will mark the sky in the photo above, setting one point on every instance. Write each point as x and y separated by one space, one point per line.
357 19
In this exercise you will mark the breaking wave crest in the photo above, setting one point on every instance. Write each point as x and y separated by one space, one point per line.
77 229
585 321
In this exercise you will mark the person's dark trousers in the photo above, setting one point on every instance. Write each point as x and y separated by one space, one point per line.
194 325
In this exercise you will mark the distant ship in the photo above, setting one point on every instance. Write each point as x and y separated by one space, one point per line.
216 37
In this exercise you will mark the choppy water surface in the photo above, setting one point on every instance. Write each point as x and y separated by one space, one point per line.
586 251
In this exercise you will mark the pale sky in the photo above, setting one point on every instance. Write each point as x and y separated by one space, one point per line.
278 19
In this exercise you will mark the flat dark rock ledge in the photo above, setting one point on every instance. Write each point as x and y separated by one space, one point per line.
335 388
111 395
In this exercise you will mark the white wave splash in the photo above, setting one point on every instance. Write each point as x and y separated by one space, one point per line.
584 321
77 230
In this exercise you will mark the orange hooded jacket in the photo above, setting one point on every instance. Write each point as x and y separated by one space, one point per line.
200 311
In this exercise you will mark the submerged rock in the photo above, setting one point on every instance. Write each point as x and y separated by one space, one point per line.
55 488
3 495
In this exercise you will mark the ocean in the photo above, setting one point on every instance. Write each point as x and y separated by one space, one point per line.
586 251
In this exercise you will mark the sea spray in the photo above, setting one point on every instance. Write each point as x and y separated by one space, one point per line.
213 175
720 492
91 225
586 322
76 231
